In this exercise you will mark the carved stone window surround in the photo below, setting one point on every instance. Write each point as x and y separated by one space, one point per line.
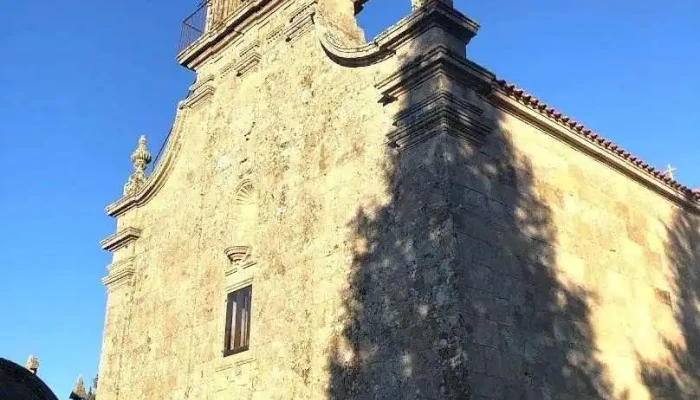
237 360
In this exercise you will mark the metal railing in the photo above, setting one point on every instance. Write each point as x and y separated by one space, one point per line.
209 14
194 26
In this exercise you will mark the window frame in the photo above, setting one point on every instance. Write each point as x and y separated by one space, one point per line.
234 326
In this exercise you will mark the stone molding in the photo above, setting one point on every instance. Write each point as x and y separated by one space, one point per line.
439 114
274 34
228 68
249 61
253 46
200 92
239 285
120 239
202 82
240 257
235 362
362 55
119 274
439 61
443 111
502 101
237 254
300 21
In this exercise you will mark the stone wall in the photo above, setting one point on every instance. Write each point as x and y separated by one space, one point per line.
391 256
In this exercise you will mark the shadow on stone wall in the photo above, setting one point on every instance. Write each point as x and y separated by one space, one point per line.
454 293
681 379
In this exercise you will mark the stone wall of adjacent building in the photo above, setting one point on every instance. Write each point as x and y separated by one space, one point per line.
451 268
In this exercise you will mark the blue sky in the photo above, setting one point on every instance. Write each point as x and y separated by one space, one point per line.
82 80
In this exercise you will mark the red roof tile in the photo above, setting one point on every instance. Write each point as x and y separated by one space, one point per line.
537 105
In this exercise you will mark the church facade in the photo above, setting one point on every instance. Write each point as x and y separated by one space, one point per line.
337 218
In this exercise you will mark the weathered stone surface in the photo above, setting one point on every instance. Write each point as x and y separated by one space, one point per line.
409 231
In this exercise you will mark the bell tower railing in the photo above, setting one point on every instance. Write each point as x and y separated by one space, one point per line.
194 26
208 15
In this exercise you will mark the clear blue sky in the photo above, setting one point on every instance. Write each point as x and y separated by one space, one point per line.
80 80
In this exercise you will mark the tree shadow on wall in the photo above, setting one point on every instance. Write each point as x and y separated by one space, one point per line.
681 379
454 292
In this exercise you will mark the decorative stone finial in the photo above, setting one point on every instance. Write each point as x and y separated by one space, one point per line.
78 392
141 157
416 4
32 364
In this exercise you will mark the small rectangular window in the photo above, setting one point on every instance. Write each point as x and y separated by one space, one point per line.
238 321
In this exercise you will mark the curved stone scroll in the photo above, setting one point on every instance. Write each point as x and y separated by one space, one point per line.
161 171
356 56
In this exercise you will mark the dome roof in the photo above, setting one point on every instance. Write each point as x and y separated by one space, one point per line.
17 382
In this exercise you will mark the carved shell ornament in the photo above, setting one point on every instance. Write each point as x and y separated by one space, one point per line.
238 254
245 193
140 158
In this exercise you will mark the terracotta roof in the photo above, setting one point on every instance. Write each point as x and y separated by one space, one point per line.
534 103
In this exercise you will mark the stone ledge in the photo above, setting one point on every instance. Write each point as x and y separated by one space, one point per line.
235 361
440 113
119 277
438 62
120 239
119 273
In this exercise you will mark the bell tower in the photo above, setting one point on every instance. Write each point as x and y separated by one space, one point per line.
217 23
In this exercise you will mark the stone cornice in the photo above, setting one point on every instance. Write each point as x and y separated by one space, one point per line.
156 180
249 61
200 92
119 273
120 239
212 41
116 279
502 100
300 22
439 60
581 130
441 113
